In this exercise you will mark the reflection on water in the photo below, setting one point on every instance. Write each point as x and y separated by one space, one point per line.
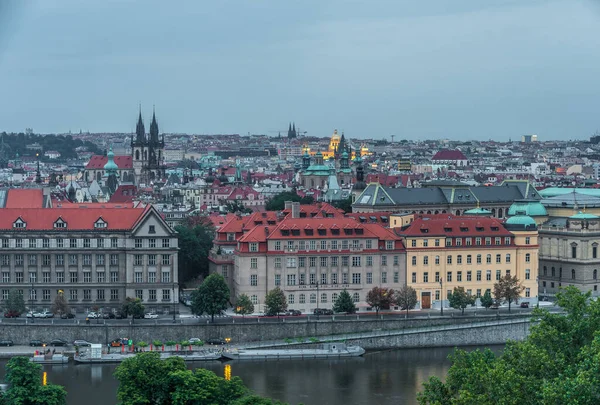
386 377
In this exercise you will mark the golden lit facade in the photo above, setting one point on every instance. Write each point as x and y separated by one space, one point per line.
444 252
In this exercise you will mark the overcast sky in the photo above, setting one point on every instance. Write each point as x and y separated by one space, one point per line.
459 69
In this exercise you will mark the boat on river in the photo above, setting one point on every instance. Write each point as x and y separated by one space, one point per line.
323 351
49 358
199 355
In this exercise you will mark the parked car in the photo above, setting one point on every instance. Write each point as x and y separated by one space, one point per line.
194 340
138 316
12 314
108 315
293 312
92 315
47 314
6 342
117 343
120 315
34 315
37 342
150 316
322 311
81 342
58 342
525 304
495 305
68 315
215 341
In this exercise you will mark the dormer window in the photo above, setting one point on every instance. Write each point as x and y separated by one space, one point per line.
100 224
151 229
20 224
60 224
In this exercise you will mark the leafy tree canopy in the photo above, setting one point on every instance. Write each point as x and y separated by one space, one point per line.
66 145
486 300
275 302
146 379
345 204
344 303
133 307
406 298
25 385
211 297
195 242
244 305
15 302
508 289
380 298
559 363
277 203
459 299
60 305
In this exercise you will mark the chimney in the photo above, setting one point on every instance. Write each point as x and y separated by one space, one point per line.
295 210
267 230
287 205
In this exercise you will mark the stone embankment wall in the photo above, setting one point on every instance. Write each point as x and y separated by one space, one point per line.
262 331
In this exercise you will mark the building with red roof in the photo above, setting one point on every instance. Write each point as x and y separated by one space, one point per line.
94 169
444 252
450 157
93 254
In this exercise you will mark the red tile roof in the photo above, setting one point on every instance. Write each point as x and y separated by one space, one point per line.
25 198
453 226
446 154
97 162
124 193
43 219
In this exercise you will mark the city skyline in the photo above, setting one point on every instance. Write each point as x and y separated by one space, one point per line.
458 71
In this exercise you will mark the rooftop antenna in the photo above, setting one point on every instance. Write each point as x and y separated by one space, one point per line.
392 136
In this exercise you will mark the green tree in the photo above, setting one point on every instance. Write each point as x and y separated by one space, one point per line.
459 299
60 305
15 302
406 298
25 385
275 302
133 307
211 297
344 303
195 240
277 202
146 379
559 363
345 204
508 289
486 300
380 298
244 306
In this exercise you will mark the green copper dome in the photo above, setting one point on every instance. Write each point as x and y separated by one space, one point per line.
531 208
522 220
583 215
111 166
478 211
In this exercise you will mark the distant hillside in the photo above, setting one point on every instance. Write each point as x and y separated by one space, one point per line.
66 145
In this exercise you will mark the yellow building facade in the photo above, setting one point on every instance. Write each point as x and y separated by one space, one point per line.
444 252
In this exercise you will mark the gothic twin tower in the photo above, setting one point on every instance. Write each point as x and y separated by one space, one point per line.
147 152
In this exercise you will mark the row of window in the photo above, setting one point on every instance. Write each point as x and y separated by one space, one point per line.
469 241
326 244
478 293
469 259
312 298
166 295
19 277
332 278
573 273
46 243
469 276
328 261
73 259
72 295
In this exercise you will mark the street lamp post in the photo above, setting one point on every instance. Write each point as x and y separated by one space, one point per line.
537 281
174 302
441 296
318 309
31 298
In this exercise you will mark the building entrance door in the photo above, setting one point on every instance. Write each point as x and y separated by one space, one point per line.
426 300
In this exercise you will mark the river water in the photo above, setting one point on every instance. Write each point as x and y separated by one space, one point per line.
385 377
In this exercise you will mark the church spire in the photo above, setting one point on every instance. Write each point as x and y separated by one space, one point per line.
140 130
294 130
154 127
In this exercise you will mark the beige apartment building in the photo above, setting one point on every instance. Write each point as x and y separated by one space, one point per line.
95 256
445 251
313 259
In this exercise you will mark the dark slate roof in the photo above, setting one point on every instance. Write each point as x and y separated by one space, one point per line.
417 196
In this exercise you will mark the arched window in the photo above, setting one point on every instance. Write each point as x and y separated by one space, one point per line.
595 274
137 154
488 259
493 212
355 297
324 298
500 213
313 298
414 260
